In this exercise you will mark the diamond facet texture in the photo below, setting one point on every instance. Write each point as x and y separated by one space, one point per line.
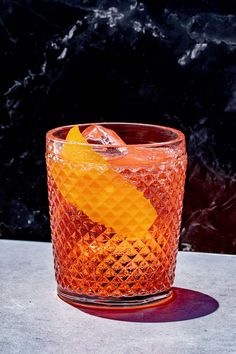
93 260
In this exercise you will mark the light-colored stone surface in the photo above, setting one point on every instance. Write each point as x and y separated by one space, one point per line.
33 320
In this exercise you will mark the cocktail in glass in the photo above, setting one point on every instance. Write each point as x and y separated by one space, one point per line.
115 210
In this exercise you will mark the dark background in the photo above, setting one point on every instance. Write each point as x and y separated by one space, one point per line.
165 62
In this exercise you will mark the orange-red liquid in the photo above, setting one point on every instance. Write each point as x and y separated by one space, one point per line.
92 259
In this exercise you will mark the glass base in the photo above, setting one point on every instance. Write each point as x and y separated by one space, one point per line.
124 302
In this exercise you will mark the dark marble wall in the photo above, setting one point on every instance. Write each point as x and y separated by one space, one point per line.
168 62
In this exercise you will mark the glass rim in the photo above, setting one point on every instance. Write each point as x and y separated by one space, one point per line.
179 136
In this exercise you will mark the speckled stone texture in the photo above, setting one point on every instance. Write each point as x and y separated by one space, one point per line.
170 63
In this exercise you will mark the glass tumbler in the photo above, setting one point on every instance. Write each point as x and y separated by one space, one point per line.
115 214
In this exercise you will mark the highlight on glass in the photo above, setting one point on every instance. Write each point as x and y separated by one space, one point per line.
115 196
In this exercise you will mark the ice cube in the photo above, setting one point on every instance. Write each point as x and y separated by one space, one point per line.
99 135
139 156
134 156
96 134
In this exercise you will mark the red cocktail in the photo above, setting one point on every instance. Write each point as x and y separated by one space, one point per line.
115 210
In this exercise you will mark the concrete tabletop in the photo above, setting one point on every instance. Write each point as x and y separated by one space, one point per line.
202 318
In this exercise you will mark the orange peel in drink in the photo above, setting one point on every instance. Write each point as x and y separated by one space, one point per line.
86 180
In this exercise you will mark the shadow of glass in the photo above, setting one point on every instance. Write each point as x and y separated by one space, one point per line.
186 305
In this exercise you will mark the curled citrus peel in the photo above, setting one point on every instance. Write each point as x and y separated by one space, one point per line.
87 181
